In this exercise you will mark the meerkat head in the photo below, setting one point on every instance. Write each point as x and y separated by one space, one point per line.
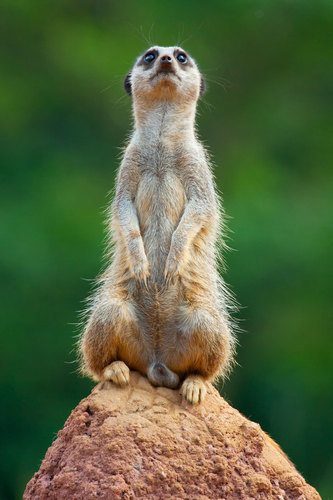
165 74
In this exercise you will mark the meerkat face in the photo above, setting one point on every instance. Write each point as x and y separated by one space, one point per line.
165 73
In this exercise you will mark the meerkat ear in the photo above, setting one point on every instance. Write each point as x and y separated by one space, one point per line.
127 84
202 86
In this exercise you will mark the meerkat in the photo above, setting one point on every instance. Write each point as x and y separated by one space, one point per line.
161 306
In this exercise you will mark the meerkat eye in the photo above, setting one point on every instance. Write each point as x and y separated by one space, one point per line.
149 57
182 58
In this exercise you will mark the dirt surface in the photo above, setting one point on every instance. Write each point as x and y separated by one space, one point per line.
143 442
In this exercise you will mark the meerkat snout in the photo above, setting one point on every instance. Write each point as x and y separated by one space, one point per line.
165 64
166 60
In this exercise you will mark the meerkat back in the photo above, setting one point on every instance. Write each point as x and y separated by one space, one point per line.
161 306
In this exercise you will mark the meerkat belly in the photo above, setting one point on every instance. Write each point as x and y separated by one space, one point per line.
160 202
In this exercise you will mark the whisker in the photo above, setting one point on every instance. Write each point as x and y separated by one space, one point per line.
149 35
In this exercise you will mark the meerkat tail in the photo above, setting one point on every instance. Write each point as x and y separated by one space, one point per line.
160 375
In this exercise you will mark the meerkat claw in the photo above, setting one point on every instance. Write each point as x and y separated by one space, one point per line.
194 390
145 284
173 280
169 279
117 372
164 285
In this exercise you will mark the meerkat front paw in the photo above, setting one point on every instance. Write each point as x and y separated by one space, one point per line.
172 268
141 272
117 372
194 389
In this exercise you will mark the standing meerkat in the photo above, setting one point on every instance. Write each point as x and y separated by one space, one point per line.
161 306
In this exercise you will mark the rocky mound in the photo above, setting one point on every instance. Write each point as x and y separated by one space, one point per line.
143 442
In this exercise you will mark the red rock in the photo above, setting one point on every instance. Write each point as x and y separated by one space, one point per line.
144 442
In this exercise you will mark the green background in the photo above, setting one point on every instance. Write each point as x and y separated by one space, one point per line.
267 121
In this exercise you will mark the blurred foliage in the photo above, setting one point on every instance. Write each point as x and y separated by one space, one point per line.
266 118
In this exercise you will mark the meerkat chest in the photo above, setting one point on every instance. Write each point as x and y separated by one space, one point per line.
160 198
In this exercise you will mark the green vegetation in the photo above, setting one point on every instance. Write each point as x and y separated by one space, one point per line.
267 120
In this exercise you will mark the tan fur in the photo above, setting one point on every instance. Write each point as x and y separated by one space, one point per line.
161 298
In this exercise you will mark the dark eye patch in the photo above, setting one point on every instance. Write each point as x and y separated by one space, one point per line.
148 59
182 58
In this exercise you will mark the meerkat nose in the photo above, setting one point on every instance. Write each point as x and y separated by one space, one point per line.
166 59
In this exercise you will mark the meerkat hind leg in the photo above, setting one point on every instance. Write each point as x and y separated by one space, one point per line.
118 372
194 389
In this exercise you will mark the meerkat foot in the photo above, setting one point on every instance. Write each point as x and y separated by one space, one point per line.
117 372
194 389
